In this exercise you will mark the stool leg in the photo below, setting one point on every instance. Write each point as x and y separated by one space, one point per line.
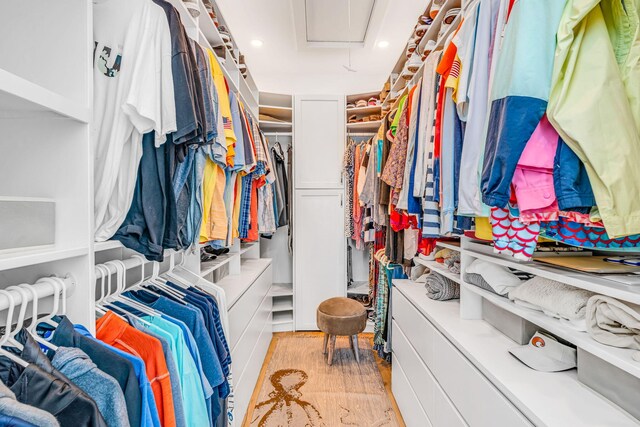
354 346
326 340
332 347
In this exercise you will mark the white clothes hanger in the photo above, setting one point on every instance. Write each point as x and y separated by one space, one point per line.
5 339
161 283
121 272
21 316
98 304
48 319
34 319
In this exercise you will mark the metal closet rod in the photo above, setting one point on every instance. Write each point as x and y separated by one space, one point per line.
43 290
278 133
361 133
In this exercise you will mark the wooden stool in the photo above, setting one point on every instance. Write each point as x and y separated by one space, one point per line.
344 317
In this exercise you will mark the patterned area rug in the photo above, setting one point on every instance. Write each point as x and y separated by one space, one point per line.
300 389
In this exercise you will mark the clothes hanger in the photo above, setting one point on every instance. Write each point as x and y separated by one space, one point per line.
161 283
173 274
169 273
5 340
48 319
140 284
34 319
21 316
121 272
99 308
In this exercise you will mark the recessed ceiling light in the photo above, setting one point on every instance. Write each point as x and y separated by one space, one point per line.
383 44
256 43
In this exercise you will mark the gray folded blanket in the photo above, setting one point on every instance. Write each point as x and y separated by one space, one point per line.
440 288
477 280
553 298
453 263
614 322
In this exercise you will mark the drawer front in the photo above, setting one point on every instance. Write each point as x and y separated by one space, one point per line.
479 402
246 383
418 330
436 405
240 313
406 398
242 351
422 382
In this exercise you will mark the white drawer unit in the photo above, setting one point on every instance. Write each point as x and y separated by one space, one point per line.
441 411
250 327
240 312
406 398
459 372
242 351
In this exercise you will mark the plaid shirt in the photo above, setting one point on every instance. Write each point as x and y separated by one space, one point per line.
245 206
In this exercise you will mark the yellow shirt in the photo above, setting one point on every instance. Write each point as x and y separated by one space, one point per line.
224 105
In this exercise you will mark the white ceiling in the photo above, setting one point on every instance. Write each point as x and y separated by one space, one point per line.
285 65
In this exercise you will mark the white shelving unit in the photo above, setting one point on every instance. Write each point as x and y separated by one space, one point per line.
45 110
545 399
439 268
280 107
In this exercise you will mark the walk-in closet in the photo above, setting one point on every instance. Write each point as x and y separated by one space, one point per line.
319 213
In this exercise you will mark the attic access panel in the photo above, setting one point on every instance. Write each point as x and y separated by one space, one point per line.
337 23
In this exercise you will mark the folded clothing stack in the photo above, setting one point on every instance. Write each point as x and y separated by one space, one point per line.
492 277
440 288
615 323
555 299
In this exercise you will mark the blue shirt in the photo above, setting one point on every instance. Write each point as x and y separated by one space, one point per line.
150 416
193 399
195 322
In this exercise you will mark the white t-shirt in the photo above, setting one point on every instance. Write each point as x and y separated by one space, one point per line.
133 95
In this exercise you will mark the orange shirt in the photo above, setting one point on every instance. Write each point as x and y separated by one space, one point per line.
114 331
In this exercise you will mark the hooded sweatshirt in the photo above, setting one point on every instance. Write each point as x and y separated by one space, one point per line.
103 389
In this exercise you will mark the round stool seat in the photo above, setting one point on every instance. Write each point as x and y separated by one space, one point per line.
341 316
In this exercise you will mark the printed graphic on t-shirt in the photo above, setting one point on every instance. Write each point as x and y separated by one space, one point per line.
106 64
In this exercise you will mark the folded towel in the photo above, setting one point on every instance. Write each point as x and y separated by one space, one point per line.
417 271
615 323
477 280
453 263
553 298
500 278
440 288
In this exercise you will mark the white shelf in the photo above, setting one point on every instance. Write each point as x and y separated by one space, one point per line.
26 257
282 305
619 357
245 247
208 267
281 289
19 97
550 399
361 289
283 326
439 268
372 125
208 28
364 110
279 113
282 318
107 245
590 282
272 124
454 246
236 285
